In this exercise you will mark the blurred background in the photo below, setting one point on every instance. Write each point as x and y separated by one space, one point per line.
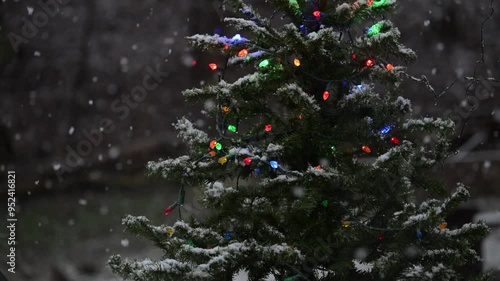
79 143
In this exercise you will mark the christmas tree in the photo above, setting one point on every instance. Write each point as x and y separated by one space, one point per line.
312 168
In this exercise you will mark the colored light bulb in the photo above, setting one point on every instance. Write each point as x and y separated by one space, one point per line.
247 161
236 37
225 109
232 128
385 130
274 164
370 62
370 2
326 95
419 234
243 53
218 146
317 14
227 235
226 47
389 67
318 167
296 62
264 63
170 231
212 153
257 171
333 148
213 144
213 66
374 29
353 56
168 210
268 128
324 203
395 140
346 224
190 243
222 160
381 236
378 3
366 149
443 226
299 116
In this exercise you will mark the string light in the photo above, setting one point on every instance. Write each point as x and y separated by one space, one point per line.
231 128
218 146
274 164
366 149
346 224
226 47
168 210
395 140
227 235
370 2
213 66
443 225
353 56
385 130
190 243
247 161
264 63
243 53
317 14
213 144
170 231
333 148
419 234
326 95
318 167
324 203
296 62
268 128
378 3
212 153
389 67
370 62
374 29
225 109
222 160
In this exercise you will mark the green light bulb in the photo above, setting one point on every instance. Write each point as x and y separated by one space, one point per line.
232 128
378 3
324 203
218 146
264 63
375 29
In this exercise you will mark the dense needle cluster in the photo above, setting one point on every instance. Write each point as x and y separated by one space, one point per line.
312 169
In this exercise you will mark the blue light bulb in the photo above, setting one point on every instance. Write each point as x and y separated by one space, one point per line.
385 130
274 164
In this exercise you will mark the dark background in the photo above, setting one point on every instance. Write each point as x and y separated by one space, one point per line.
60 81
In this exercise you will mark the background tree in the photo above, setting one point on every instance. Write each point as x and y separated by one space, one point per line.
296 136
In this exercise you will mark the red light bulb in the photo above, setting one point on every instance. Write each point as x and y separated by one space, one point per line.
326 95
213 66
243 53
317 14
366 149
247 161
370 62
353 56
389 67
381 236
268 128
168 211
395 140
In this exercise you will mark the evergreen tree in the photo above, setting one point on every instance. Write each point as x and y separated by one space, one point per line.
321 151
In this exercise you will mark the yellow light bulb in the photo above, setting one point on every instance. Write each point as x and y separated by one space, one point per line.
296 62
